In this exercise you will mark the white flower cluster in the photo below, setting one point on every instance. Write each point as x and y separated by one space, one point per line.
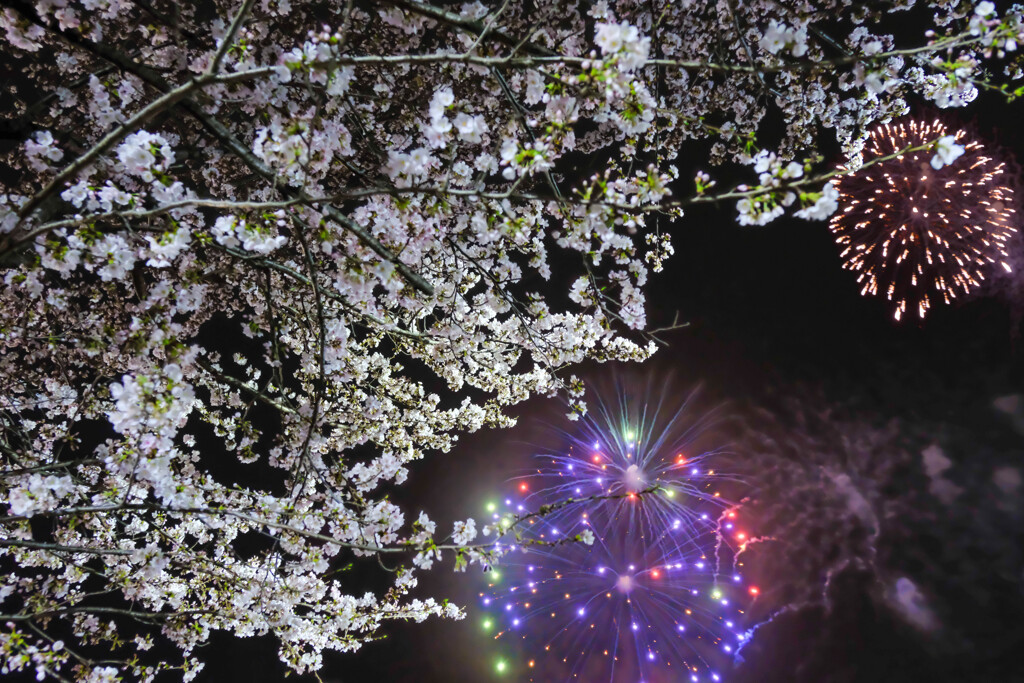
824 206
532 158
151 407
409 168
302 152
778 37
143 153
9 205
983 19
232 231
464 532
624 42
314 60
946 152
20 34
758 210
41 149
437 130
951 89
105 198
764 207
37 493
772 171
111 256
163 250
470 128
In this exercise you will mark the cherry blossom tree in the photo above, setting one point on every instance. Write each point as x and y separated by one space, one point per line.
257 257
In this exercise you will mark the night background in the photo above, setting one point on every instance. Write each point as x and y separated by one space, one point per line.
884 459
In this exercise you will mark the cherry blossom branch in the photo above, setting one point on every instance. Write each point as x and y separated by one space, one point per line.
238 384
473 26
24 124
155 107
806 181
746 48
229 37
56 547
262 261
44 468
550 59
321 341
224 135
145 617
514 521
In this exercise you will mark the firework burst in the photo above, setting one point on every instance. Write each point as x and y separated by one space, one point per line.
920 235
656 597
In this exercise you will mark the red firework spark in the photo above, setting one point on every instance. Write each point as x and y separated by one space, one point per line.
918 234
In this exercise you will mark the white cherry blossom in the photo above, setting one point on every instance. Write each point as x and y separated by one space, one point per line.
946 152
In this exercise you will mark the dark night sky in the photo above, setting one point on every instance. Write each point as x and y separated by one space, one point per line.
779 334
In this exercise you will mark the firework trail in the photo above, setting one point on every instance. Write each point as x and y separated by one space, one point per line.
656 597
920 235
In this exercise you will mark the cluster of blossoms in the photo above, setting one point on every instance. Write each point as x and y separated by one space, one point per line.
879 84
143 154
234 232
624 43
779 37
772 172
946 151
254 267
40 150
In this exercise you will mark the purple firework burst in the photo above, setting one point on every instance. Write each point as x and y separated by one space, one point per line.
656 596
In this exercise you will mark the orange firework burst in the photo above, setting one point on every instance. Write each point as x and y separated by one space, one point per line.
918 234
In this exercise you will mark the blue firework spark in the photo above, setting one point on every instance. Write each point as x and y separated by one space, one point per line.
656 597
